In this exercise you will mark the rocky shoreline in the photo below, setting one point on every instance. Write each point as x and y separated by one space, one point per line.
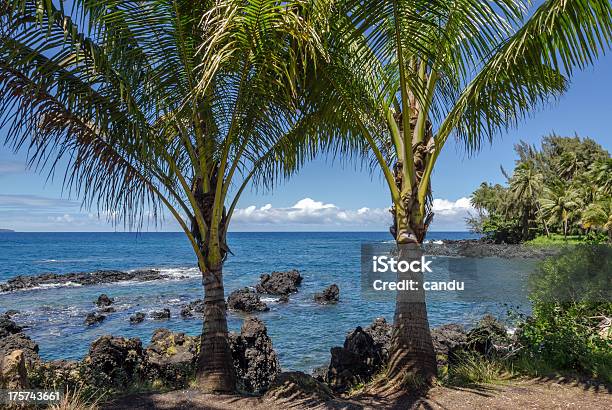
481 248
277 283
113 364
23 282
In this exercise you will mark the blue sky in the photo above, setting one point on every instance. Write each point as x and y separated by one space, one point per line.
326 195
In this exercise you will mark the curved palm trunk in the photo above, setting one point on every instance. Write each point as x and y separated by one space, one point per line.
215 371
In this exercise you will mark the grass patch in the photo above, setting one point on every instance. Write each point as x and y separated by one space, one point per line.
556 239
473 369
77 399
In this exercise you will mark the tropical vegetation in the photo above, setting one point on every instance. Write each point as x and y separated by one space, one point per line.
159 105
561 189
404 77
156 105
570 327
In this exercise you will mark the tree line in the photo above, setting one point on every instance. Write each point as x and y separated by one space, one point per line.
563 188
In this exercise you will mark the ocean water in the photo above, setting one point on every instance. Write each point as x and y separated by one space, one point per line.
302 331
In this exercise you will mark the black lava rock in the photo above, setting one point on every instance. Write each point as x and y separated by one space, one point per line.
161 315
331 295
137 317
279 283
246 300
94 318
104 301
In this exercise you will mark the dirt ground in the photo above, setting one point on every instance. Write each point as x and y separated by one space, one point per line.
515 394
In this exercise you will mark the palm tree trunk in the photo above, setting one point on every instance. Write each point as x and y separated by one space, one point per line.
215 372
539 211
412 360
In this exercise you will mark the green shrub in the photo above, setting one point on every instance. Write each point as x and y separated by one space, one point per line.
571 296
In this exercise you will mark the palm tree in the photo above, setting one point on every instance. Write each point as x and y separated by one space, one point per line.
600 173
598 215
526 186
559 203
156 104
405 76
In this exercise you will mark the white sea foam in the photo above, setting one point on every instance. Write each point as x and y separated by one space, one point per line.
54 285
180 272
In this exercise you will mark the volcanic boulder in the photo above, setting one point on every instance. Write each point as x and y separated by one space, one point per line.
255 360
448 340
279 283
94 318
331 295
197 306
171 358
246 300
364 353
137 317
12 338
13 373
113 362
161 315
104 301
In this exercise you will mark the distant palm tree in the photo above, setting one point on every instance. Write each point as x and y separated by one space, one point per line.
598 215
145 105
526 186
570 164
600 173
405 76
559 203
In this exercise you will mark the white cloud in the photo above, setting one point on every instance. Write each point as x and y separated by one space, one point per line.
32 212
308 213
66 218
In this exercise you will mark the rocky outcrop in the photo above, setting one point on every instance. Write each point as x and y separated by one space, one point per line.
12 338
331 295
279 283
356 362
195 307
448 341
365 352
246 300
104 301
94 318
171 358
482 248
161 315
381 333
255 360
13 373
488 337
79 278
56 374
298 386
8 327
113 362
137 317
11 312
